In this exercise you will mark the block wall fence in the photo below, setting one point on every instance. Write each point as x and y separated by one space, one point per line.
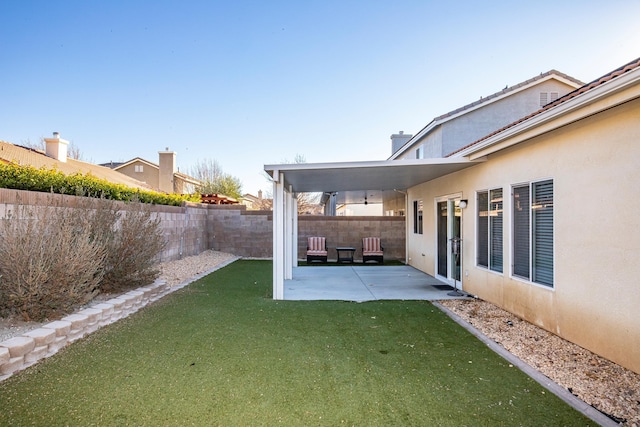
194 227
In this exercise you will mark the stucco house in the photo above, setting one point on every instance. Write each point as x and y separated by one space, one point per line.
162 176
455 129
545 207
55 157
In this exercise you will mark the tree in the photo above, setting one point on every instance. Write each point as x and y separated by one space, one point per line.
214 180
308 203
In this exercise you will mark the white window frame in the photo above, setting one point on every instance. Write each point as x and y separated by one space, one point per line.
490 231
531 211
138 168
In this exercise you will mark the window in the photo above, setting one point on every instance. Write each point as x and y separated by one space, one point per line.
533 232
489 228
420 152
554 96
417 216
137 168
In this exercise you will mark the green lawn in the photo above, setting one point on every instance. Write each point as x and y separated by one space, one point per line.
221 352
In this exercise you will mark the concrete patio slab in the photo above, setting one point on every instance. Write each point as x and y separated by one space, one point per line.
363 283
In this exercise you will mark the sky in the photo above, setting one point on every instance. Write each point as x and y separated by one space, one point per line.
249 83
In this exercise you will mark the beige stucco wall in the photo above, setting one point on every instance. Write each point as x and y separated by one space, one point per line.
595 167
148 175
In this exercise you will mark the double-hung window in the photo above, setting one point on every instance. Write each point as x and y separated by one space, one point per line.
533 232
417 216
489 251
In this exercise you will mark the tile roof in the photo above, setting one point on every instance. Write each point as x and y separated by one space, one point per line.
10 153
585 88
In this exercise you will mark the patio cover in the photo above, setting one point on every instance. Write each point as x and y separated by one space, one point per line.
289 179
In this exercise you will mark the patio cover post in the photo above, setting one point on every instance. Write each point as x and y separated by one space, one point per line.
290 236
278 235
294 235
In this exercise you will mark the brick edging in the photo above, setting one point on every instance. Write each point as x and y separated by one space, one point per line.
22 351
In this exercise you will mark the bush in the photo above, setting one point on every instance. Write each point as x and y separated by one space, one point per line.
53 259
49 262
51 180
132 250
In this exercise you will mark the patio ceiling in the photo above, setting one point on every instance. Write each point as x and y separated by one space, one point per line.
358 176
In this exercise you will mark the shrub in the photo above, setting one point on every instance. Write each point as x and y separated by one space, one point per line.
49 261
132 250
53 258
51 180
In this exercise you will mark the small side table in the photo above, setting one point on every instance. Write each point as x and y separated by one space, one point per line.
350 250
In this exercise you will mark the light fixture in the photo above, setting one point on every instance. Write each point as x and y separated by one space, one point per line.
463 203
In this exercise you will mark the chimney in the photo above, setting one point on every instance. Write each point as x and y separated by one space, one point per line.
167 167
398 140
56 147
259 194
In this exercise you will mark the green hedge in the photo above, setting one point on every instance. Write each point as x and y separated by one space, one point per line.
51 180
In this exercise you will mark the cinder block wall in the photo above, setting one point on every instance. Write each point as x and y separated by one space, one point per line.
234 229
185 229
349 231
193 228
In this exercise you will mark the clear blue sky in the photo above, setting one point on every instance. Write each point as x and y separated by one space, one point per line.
249 83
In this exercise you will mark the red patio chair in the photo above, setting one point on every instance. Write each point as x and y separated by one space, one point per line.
372 250
316 249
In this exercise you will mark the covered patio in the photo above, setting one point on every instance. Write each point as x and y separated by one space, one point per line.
335 178
364 283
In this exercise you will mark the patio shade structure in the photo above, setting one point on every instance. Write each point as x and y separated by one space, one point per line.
289 179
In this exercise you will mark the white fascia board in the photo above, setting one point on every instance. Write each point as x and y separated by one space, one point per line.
620 83
275 168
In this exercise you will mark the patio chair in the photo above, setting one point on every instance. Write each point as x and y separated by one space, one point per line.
372 250
316 249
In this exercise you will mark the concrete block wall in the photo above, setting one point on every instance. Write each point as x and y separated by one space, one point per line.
236 230
193 228
185 229
349 231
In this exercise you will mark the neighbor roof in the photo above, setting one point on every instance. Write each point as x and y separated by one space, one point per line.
10 153
120 165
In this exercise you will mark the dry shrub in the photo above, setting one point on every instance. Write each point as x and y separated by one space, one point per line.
49 261
53 259
133 250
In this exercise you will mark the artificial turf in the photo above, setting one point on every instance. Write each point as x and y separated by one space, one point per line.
222 352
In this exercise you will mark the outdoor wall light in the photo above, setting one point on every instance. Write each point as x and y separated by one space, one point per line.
463 203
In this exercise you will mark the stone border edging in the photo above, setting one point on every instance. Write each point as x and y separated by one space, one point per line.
22 351
564 394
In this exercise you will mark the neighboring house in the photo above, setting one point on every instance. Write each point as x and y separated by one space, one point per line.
459 127
369 209
163 176
256 202
55 157
546 208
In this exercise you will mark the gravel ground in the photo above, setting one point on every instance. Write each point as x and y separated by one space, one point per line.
599 382
606 386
